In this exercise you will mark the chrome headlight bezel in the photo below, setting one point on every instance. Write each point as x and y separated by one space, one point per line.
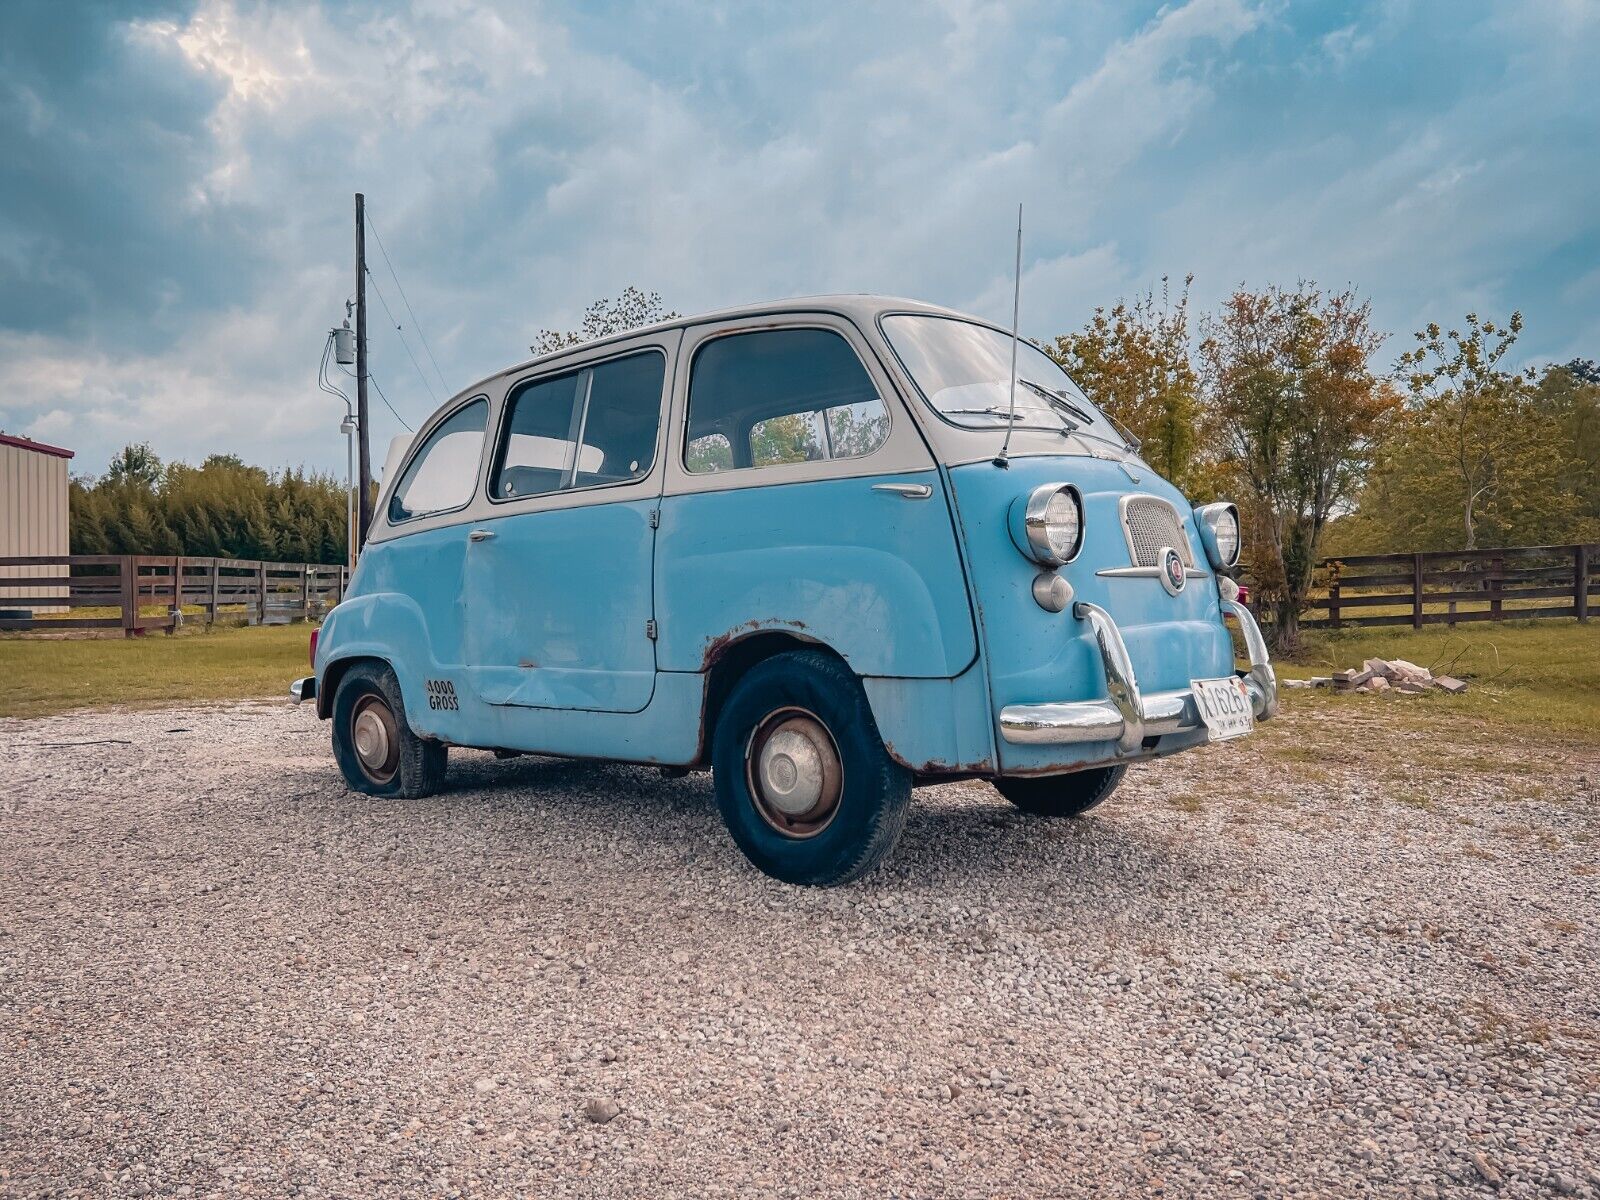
1030 528
1206 519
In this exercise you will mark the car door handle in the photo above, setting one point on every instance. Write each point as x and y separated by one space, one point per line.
480 535
908 491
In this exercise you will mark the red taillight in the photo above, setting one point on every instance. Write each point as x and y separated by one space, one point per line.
1244 598
314 633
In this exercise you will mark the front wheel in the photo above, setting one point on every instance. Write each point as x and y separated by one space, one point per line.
376 750
803 780
1061 795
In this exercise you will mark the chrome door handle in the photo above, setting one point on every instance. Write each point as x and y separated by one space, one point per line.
480 535
908 491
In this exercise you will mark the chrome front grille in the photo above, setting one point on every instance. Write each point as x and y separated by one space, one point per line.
1150 524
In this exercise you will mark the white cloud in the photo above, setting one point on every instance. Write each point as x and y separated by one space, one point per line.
520 161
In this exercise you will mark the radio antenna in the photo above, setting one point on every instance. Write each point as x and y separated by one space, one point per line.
1000 460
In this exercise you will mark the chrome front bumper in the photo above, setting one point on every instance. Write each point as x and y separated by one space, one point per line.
1128 716
302 690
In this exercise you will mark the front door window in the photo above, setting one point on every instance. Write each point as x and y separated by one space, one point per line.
777 396
588 428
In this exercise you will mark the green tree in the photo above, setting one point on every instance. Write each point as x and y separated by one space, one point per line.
1135 361
1296 409
1482 455
221 508
1570 395
136 464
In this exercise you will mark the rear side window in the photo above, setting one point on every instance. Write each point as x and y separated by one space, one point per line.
444 473
780 396
587 428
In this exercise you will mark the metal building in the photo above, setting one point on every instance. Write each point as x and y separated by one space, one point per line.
33 512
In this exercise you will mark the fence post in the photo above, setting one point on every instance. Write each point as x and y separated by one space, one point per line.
175 611
1580 581
305 591
1416 591
130 594
261 588
1497 568
1333 601
211 609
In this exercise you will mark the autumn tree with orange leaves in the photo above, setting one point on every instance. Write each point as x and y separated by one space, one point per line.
1295 410
1135 360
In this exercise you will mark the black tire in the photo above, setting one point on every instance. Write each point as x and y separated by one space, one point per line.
860 811
411 766
1062 795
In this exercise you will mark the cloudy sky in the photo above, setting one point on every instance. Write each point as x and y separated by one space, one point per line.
176 179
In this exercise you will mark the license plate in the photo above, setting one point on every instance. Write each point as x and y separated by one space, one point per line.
1224 706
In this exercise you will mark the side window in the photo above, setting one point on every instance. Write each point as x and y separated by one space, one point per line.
780 396
444 473
590 427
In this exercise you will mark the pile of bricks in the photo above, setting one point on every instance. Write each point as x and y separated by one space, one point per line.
1385 675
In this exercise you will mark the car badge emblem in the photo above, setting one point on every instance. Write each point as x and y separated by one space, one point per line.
1172 574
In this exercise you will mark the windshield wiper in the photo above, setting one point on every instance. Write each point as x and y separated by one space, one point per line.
1058 400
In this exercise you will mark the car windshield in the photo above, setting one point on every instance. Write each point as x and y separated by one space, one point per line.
964 371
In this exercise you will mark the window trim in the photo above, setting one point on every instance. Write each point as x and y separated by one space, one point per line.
502 439
688 399
422 443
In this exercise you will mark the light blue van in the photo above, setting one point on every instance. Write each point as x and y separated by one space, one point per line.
781 542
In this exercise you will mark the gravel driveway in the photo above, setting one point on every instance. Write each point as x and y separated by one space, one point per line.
1313 963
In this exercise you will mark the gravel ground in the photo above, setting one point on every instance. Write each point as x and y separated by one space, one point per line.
1312 963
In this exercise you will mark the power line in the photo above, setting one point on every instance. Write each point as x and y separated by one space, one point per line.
323 382
373 380
404 299
403 341
386 403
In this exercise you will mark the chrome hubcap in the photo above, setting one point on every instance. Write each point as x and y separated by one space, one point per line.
372 733
794 773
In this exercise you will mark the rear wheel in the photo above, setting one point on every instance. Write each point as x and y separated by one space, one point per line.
376 750
1061 795
803 780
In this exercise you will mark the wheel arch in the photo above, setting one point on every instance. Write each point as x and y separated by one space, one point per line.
733 658
334 673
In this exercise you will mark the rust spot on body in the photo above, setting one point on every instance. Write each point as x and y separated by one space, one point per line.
715 646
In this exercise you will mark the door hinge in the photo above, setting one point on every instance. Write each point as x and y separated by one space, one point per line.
650 629
655 518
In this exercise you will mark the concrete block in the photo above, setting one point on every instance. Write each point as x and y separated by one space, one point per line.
1409 671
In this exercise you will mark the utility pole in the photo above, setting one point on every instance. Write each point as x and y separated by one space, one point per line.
362 424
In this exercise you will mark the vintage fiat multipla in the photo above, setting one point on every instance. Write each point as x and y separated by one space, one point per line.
783 542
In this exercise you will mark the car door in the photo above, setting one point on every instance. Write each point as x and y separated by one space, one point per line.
801 498
559 595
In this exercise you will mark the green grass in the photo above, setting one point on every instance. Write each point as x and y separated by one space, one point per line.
56 674
1523 674
1527 675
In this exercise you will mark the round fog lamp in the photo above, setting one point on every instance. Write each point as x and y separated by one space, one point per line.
1052 592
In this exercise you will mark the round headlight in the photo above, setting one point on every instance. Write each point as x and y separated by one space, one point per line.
1219 530
1052 524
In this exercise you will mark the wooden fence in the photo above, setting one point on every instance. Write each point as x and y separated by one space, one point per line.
1506 583
139 592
